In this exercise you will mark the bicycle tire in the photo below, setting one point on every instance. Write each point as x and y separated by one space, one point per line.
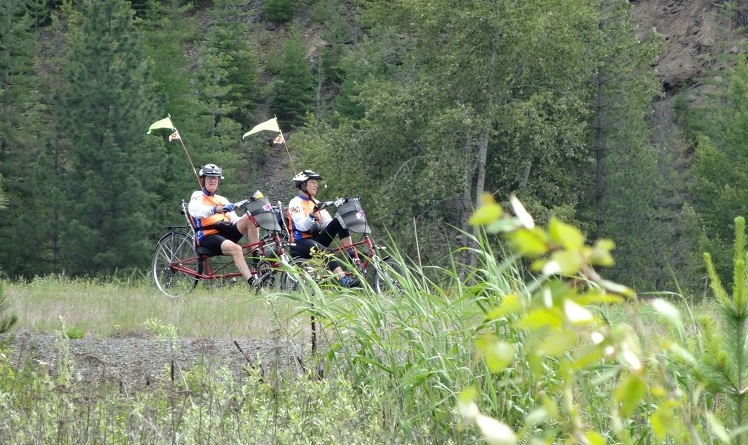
175 248
265 276
385 275
291 280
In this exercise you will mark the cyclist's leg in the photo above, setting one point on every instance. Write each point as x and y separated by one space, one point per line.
225 242
248 226
331 230
305 248
333 265
236 252
326 236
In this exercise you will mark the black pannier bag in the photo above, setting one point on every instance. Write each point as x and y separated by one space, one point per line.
262 211
352 216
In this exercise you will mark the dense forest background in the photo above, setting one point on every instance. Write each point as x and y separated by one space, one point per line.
418 107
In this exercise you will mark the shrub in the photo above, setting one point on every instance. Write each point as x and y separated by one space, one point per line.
279 11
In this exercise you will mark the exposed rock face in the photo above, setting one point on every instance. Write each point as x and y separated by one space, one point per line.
690 27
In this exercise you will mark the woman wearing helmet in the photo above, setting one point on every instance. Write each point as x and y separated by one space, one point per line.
217 226
312 227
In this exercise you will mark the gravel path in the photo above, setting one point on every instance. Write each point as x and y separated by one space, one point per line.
138 362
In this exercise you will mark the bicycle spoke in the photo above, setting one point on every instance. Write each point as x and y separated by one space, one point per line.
386 271
175 264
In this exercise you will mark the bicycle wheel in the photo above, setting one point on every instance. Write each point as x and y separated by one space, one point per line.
173 262
386 275
291 280
265 275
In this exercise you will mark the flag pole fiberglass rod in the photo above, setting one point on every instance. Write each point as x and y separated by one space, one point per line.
285 145
178 136
167 123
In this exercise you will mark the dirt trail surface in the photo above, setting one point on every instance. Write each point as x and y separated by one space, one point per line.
139 362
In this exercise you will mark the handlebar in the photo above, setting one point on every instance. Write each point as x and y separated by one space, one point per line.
338 202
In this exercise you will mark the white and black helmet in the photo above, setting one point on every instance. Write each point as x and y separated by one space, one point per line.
302 177
211 170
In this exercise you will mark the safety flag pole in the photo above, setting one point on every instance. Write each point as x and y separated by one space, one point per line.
272 125
282 140
167 123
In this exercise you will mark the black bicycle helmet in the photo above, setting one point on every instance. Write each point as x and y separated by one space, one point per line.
302 177
211 170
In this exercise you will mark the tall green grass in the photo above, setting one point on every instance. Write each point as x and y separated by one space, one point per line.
413 345
393 366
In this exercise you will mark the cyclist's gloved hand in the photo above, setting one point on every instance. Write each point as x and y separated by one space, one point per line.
228 208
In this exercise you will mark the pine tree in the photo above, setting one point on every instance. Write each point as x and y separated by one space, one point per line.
719 128
229 89
295 87
229 40
279 11
110 175
636 195
23 132
166 29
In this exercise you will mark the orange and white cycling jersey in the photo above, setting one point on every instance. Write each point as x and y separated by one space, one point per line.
300 216
203 215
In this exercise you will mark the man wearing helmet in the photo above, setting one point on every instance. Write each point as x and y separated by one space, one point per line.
312 227
217 226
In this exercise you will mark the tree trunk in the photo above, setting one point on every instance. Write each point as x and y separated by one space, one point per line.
600 153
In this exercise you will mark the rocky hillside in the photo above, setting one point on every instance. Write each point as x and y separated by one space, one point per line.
691 28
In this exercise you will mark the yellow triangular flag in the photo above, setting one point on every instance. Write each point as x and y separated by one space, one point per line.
163 123
271 125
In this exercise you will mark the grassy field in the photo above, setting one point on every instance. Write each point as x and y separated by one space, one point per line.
115 309
401 361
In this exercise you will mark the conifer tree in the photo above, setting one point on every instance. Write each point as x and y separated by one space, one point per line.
279 11
227 97
23 132
110 176
637 195
230 41
719 129
294 89
720 358
168 28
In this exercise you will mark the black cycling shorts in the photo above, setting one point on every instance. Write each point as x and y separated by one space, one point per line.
226 231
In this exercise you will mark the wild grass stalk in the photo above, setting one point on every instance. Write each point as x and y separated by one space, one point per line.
413 345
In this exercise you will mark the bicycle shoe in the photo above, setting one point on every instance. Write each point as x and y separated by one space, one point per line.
253 281
349 282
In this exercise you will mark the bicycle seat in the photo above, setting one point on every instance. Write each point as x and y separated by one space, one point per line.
205 251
